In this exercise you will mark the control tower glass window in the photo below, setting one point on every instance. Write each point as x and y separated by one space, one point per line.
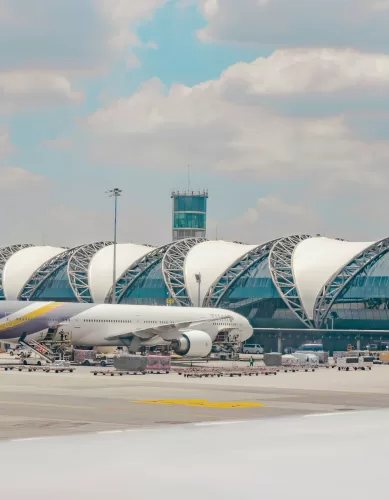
185 220
190 204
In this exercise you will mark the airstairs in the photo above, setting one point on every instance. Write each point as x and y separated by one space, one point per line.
51 334
39 349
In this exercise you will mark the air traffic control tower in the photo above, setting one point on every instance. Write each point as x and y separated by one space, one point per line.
189 214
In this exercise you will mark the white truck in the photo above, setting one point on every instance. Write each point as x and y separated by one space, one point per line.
355 363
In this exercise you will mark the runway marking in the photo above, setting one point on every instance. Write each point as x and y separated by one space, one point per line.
28 439
115 431
201 403
92 408
331 414
52 405
219 422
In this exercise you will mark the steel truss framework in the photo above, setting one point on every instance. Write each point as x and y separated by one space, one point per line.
173 269
280 263
46 270
137 269
341 279
234 272
78 267
5 254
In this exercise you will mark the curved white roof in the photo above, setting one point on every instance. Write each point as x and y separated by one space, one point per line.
315 260
101 267
211 259
21 265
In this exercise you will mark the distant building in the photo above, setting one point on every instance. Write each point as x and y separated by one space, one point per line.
189 214
297 287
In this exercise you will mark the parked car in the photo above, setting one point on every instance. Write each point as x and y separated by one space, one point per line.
310 348
252 349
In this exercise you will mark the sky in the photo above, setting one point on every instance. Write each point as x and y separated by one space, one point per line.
279 108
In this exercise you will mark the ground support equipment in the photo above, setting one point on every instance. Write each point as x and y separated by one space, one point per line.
120 373
30 368
200 372
299 368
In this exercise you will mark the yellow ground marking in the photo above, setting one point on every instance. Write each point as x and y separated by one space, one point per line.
201 403
29 316
92 408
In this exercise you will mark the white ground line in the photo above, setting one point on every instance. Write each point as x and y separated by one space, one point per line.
220 422
331 414
30 439
114 431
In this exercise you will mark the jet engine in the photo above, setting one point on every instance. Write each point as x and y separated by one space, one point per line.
194 343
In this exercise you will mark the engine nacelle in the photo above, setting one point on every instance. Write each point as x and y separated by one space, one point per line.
194 343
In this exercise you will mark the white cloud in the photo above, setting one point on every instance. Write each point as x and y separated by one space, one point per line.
152 45
60 34
17 179
271 218
183 4
36 215
302 71
48 44
132 61
216 128
124 16
5 143
70 225
205 126
381 4
23 89
123 12
298 23
69 35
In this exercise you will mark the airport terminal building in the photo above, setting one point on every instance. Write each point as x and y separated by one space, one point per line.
294 288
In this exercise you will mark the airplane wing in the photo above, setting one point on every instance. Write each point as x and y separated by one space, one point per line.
165 331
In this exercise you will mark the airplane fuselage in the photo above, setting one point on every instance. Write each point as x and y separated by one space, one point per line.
94 324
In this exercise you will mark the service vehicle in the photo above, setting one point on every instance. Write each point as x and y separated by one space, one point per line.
317 349
252 349
355 363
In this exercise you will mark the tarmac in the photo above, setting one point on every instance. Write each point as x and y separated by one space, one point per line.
47 404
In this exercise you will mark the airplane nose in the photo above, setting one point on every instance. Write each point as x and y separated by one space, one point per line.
247 329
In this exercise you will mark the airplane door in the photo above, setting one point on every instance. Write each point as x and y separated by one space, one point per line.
65 332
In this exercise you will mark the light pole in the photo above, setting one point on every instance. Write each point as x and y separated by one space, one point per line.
115 193
198 281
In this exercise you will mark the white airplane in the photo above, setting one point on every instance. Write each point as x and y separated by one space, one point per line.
189 330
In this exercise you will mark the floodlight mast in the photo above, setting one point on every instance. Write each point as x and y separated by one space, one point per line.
114 193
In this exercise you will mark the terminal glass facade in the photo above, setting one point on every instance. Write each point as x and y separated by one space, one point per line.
148 289
56 287
364 304
254 296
